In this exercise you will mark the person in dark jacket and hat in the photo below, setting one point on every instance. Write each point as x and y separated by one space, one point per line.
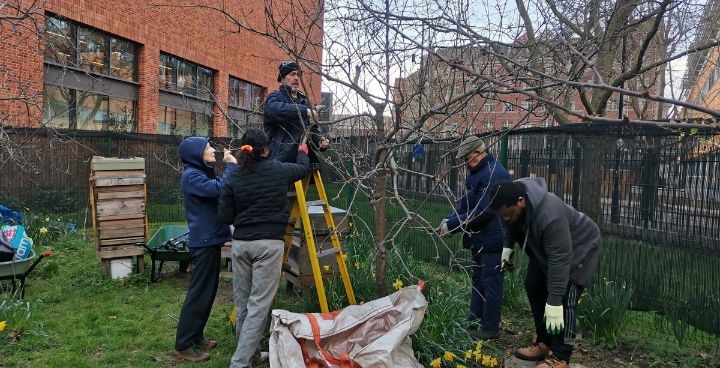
288 116
201 191
482 235
563 246
255 201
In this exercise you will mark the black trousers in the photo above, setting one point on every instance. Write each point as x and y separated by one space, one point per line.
204 279
536 286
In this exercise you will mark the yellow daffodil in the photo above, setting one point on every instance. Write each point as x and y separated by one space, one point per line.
493 362
43 230
478 355
448 356
357 265
326 268
478 347
2 325
398 285
460 366
486 360
47 219
468 354
436 363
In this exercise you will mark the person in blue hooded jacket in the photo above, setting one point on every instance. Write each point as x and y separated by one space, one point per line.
288 116
482 234
201 192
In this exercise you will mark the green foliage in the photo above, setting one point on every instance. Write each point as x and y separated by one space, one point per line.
44 228
514 295
15 314
602 309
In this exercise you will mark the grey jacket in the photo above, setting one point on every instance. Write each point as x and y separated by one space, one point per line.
561 238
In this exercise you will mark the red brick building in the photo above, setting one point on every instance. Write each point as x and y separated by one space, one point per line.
147 67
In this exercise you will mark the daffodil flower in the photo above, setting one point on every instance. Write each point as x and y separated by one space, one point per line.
478 355
4 323
468 354
436 363
460 366
47 219
326 268
448 356
493 362
486 360
398 285
43 230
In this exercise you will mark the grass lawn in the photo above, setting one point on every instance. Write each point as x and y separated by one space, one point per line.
80 319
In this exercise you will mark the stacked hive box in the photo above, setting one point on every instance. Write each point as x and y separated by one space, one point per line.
300 260
118 196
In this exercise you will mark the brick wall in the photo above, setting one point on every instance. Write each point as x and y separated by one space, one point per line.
198 34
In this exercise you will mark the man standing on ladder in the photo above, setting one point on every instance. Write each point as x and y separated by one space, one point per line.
288 115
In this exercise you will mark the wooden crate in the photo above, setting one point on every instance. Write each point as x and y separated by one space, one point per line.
118 197
300 258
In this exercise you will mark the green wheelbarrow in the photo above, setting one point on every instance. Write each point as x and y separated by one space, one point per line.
168 244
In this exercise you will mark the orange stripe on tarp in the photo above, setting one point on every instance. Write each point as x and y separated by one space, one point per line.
344 360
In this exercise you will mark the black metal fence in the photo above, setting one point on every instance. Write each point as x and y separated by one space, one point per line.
655 193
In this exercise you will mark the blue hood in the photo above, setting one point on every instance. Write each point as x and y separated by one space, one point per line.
191 154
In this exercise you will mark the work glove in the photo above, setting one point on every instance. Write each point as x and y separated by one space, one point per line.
303 148
442 230
554 322
505 264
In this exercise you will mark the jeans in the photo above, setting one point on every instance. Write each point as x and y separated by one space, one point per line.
256 274
487 290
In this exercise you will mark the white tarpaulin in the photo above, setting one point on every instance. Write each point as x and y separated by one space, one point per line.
374 334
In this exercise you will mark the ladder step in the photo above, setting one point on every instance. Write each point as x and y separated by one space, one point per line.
318 202
327 252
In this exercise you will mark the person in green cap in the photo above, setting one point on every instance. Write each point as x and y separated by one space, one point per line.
482 234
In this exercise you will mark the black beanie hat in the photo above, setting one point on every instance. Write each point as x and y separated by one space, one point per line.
286 67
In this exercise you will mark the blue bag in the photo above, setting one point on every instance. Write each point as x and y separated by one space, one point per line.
16 236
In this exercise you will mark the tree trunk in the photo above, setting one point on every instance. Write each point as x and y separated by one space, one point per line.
379 214
591 182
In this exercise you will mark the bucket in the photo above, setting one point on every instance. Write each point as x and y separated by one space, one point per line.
120 267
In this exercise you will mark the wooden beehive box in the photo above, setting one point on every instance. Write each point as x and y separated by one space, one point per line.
300 260
118 195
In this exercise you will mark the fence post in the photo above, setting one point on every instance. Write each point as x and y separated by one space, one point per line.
524 163
615 208
503 154
577 171
648 194
108 147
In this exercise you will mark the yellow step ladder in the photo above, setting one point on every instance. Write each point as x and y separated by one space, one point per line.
300 211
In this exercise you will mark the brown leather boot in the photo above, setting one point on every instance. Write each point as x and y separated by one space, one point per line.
207 344
551 361
536 351
192 354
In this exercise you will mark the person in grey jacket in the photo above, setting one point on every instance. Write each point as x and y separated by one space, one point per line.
563 246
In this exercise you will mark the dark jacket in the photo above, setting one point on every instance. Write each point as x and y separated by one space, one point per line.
256 202
561 238
285 121
201 190
482 230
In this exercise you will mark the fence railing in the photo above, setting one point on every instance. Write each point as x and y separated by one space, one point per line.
658 196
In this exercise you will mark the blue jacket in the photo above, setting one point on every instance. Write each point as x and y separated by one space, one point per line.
285 121
482 230
201 191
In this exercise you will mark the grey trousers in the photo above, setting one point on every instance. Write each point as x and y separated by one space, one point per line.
256 274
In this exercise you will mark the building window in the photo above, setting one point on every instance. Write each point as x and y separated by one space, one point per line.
246 95
185 77
96 52
527 105
508 107
176 121
489 126
612 105
506 124
489 107
67 108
